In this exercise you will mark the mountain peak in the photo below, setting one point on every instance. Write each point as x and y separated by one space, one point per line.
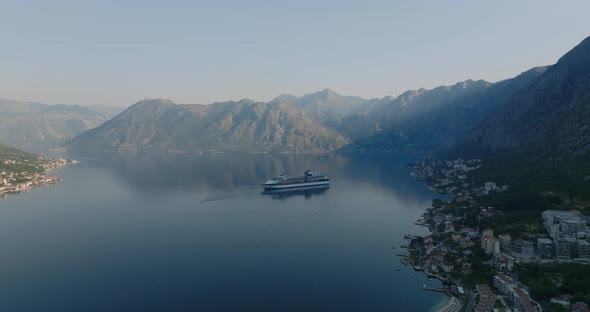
155 102
284 98
548 115
470 83
246 101
242 126
328 92
577 60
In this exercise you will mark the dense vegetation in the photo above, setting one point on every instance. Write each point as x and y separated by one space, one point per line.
534 186
25 162
549 280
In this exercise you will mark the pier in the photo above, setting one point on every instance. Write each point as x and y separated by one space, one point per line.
410 236
442 290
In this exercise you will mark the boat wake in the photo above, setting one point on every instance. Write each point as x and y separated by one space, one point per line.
240 192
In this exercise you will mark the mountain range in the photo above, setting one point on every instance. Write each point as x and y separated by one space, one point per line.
243 126
440 118
544 110
37 127
324 121
549 117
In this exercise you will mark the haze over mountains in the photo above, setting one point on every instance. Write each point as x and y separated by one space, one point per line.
243 126
439 118
36 127
550 117
319 122
543 109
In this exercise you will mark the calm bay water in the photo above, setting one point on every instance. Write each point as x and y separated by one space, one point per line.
157 232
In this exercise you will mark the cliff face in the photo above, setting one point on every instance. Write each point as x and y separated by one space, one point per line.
550 117
244 126
435 119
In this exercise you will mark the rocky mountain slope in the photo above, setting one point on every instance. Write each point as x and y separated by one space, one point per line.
38 127
243 126
11 151
324 105
438 118
317 122
550 117
544 109
416 103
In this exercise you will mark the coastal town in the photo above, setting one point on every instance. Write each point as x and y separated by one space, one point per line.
486 266
20 174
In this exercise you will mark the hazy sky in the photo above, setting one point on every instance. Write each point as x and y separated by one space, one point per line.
119 52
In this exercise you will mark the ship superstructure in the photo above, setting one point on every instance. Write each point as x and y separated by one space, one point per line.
309 178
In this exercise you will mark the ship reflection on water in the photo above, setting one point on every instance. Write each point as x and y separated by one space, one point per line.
306 191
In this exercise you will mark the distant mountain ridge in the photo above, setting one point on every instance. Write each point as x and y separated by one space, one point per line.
243 126
543 102
436 119
323 105
37 127
318 122
550 117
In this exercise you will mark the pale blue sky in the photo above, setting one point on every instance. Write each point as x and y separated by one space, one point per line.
119 52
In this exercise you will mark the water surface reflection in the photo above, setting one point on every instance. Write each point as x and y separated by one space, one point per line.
307 192
158 232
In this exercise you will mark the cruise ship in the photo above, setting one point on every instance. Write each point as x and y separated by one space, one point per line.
309 178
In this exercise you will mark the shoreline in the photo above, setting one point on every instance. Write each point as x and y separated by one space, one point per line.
38 180
46 180
453 305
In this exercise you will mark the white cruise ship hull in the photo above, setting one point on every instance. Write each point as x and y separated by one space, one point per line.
284 186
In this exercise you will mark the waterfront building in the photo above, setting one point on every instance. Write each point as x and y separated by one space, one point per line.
505 241
486 298
544 248
522 249
490 245
571 227
521 300
562 224
487 232
501 262
565 247
553 216
553 230
504 283
583 249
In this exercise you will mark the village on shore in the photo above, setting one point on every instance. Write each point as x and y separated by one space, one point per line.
20 174
478 266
